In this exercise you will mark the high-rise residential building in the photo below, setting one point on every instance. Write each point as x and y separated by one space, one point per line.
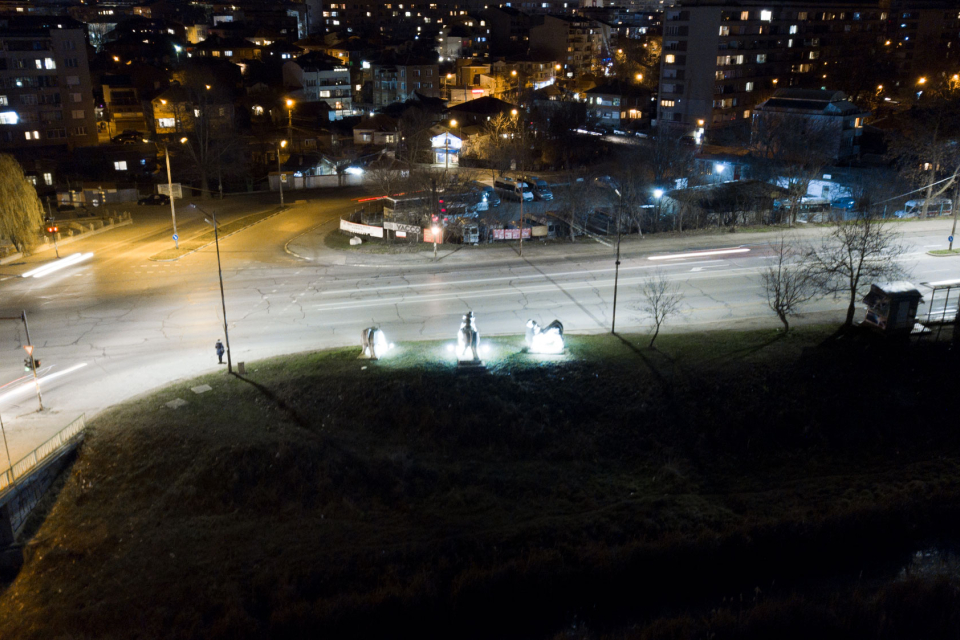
46 95
721 59
575 42
396 18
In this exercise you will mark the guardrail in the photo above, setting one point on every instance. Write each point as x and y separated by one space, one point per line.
38 455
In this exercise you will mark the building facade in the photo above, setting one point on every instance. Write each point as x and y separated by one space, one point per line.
316 77
720 60
46 98
576 43
398 82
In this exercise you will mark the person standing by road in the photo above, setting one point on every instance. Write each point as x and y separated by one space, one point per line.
219 349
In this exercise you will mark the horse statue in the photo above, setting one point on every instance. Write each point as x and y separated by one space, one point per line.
373 343
468 338
548 339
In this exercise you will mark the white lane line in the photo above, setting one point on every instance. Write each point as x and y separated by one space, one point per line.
469 295
540 276
699 254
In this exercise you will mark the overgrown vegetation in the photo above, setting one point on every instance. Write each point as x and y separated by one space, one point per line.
326 496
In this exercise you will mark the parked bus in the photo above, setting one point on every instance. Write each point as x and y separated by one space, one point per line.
935 207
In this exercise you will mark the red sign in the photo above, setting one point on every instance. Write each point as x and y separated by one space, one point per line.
428 235
510 234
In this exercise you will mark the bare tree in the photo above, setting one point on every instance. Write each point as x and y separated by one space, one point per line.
574 201
21 213
854 255
792 151
414 127
787 283
660 300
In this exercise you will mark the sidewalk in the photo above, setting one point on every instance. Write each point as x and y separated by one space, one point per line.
311 246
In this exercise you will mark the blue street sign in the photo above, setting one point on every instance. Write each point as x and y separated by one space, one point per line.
950 239
176 237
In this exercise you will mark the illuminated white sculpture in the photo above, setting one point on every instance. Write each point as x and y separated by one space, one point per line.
468 339
373 343
546 340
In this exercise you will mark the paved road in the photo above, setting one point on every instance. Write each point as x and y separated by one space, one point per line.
120 325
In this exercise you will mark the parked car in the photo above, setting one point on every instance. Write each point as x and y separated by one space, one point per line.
154 199
936 207
844 203
541 190
128 137
513 189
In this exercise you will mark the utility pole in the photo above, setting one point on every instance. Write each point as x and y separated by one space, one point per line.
7 447
33 362
616 268
281 145
173 208
223 300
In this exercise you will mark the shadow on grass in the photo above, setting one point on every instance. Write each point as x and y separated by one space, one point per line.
291 413
647 361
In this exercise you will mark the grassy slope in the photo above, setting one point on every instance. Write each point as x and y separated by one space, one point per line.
318 495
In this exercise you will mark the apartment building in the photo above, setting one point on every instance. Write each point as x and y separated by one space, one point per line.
317 77
576 43
46 95
720 60
399 19
836 120
398 82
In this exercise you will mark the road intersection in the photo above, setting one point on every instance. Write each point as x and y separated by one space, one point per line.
122 325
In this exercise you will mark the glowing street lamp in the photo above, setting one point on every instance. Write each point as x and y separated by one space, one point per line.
280 145
435 230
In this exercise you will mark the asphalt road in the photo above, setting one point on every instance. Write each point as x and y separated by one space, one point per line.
120 325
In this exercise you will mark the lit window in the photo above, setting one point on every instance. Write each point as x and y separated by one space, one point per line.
3 101
766 15
49 63
793 28
748 87
48 179
667 103
166 123
9 117
120 165
761 58
670 58
744 15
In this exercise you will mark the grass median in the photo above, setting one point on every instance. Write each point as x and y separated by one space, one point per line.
194 243
325 496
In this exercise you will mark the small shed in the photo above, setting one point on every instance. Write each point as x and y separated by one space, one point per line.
892 307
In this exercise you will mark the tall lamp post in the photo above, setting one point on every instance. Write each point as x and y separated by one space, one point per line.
522 181
658 194
616 264
280 145
223 300
173 208
290 104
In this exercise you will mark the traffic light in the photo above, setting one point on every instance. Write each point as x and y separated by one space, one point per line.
53 229
29 363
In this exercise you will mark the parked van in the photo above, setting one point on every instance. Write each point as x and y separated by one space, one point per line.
936 207
541 190
513 190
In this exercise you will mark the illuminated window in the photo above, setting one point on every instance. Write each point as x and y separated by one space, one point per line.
48 179
120 165
49 63
744 15
670 58
667 103
766 15
166 123
9 117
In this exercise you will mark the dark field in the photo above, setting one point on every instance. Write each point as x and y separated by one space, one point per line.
730 485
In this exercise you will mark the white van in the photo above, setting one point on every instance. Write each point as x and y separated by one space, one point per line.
936 207
510 189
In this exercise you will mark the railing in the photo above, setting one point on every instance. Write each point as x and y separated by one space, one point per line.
42 452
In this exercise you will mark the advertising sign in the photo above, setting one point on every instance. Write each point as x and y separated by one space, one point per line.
361 229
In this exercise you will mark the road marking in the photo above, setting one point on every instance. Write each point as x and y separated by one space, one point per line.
699 254
561 274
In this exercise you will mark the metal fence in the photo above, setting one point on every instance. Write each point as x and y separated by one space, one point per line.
38 455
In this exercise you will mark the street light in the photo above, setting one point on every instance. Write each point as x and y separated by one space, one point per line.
223 301
173 208
616 264
280 145
446 146
290 104
434 230
658 194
